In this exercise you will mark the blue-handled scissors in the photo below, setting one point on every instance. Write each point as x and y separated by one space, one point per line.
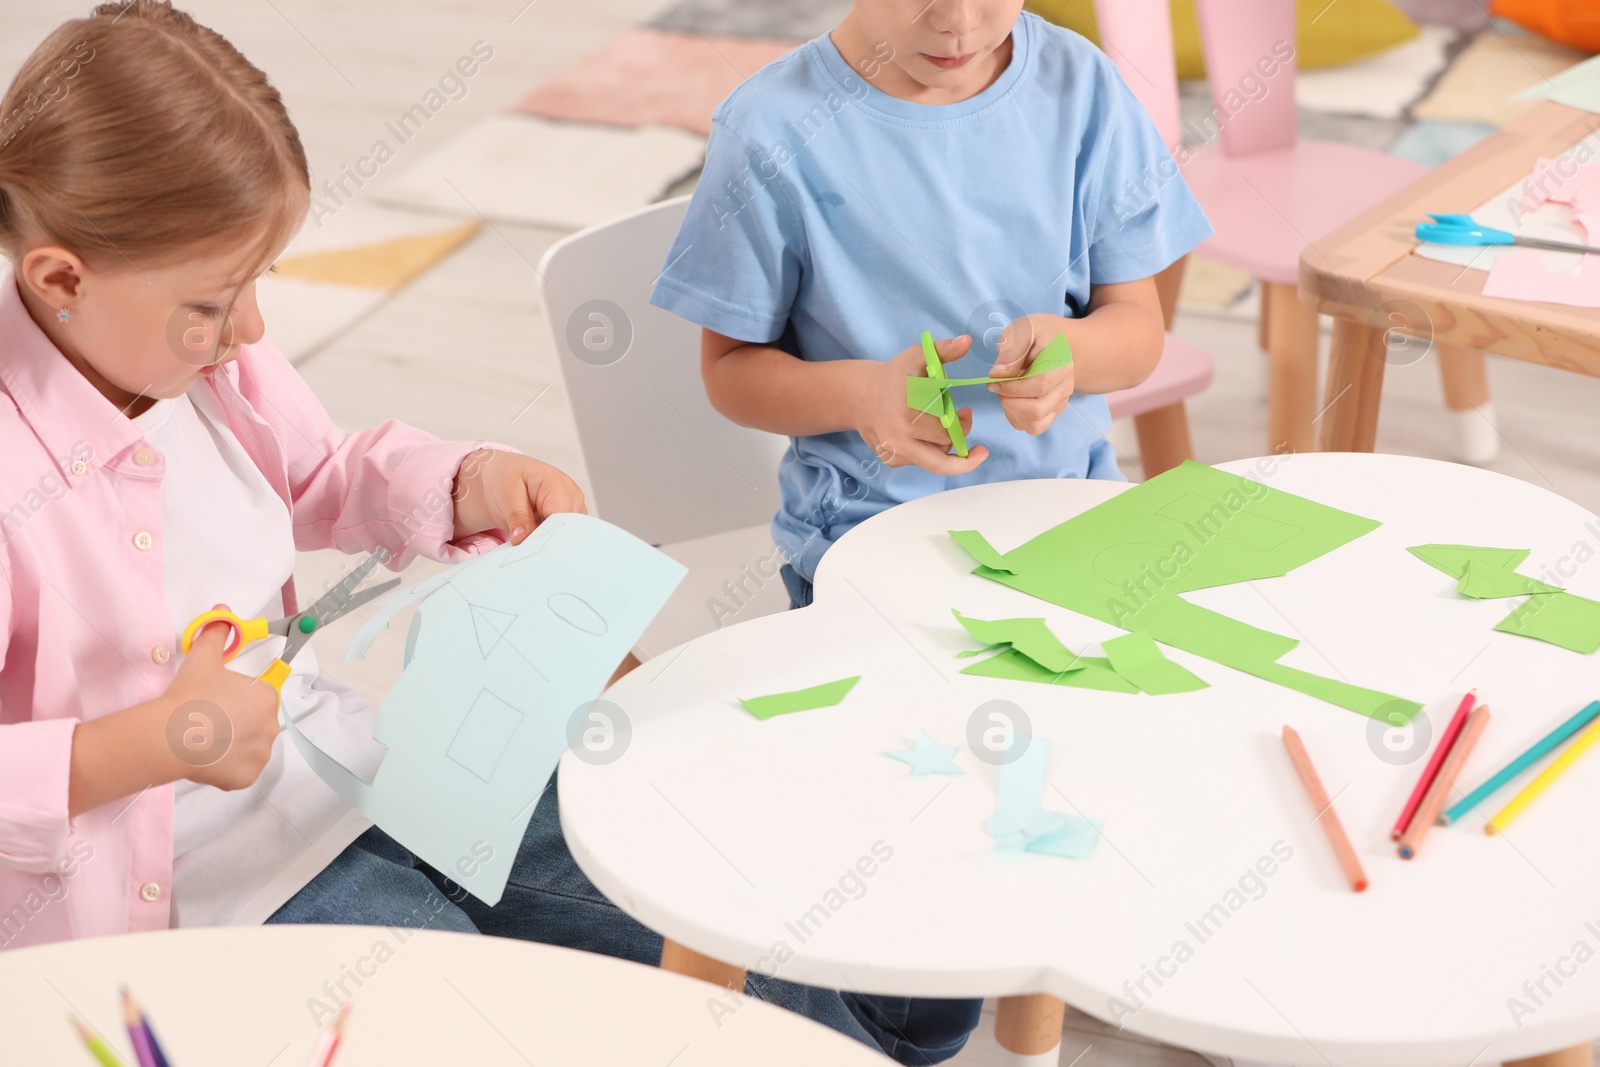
1464 230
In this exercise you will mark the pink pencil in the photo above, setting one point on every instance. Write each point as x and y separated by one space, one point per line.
331 1035
1431 771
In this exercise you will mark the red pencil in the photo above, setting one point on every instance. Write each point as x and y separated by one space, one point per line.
331 1036
1324 808
1431 771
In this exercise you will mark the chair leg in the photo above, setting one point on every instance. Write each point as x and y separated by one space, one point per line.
1264 321
1168 283
1163 438
1028 1030
680 960
1292 390
1465 376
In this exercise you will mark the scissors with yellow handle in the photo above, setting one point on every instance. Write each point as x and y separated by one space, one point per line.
296 629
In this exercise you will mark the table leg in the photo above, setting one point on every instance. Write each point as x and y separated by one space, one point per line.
680 960
1577 1056
1028 1029
1292 380
1465 377
1355 387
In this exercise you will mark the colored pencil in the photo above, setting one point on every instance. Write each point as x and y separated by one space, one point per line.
1447 741
96 1045
1324 808
1579 746
137 1034
1522 762
331 1035
158 1058
1432 804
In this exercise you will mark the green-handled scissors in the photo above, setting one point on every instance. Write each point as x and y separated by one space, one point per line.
297 628
947 409
1465 230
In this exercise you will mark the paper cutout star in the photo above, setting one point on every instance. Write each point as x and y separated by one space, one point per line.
928 757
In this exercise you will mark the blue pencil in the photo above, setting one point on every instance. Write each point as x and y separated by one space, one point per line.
1522 762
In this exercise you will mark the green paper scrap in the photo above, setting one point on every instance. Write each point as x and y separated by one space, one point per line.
1129 560
825 695
979 549
1484 581
1090 672
1453 559
1573 622
1031 637
929 394
1136 657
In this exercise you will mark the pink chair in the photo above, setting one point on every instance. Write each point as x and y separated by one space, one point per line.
1156 405
1269 195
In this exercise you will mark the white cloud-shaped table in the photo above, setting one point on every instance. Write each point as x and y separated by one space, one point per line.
1213 913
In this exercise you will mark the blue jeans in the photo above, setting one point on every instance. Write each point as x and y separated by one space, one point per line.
905 1027
378 882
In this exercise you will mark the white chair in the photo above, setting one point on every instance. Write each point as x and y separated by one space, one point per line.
663 463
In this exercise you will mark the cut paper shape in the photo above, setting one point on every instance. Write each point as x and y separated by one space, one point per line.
928 394
1485 581
825 695
473 733
1020 821
1577 87
1135 657
1126 562
1453 559
1522 274
1573 622
1090 672
1549 614
976 546
1031 637
927 756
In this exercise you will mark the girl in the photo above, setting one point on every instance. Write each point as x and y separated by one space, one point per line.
158 455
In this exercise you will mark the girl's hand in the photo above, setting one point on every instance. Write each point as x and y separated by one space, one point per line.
1031 404
510 492
901 435
222 724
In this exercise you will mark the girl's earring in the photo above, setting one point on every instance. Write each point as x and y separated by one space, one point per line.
63 314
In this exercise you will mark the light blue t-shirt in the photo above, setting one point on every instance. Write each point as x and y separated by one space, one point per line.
841 222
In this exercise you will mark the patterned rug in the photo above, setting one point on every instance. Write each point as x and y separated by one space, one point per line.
647 96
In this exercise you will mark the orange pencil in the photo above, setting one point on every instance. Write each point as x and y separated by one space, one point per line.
1324 808
1439 792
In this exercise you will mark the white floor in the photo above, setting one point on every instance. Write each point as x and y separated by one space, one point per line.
465 352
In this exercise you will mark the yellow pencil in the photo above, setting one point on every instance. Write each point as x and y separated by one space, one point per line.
96 1045
1548 775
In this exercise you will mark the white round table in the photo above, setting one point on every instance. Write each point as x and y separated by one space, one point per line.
258 995
1212 914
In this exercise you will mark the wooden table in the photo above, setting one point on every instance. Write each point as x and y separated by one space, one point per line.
259 995
1365 276
741 840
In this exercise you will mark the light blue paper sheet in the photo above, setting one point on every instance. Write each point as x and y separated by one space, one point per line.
510 644
1020 821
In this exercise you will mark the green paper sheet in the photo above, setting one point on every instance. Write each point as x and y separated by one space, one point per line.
981 550
1031 637
1485 581
1573 622
927 394
1453 559
1136 657
817 696
1090 672
1129 560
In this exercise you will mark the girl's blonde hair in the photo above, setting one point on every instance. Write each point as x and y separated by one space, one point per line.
138 135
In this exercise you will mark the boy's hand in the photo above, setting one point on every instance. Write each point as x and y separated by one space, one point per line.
222 724
901 435
506 491
1031 404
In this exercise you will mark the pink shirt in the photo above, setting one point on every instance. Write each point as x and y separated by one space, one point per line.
84 627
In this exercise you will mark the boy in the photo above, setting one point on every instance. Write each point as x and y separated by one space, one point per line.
955 166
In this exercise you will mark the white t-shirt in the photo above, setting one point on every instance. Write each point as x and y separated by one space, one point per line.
239 855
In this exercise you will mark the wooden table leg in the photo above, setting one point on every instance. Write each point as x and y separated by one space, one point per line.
1349 418
680 960
1292 380
1164 440
1577 1056
1465 376
1028 1029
